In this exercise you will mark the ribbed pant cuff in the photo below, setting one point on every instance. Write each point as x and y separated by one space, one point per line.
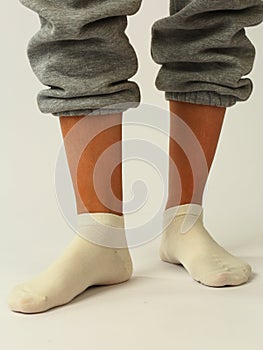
83 112
97 111
210 98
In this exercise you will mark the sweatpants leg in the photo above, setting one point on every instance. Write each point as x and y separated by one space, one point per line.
82 54
204 52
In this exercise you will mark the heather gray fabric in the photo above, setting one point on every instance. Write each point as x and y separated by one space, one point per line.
204 51
82 54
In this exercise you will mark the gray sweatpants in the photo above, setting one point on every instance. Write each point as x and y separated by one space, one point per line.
84 57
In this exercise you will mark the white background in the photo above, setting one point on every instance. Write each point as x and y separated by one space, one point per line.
160 306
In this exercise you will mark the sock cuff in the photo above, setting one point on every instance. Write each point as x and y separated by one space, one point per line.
108 219
191 212
183 209
104 229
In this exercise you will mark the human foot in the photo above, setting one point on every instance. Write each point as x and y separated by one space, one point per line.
81 265
205 260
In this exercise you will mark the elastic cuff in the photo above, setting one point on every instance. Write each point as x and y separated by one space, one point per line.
108 219
104 229
183 209
83 112
209 98
68 110
190 212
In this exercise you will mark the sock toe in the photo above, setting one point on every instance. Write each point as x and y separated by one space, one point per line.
226 278
23 300
247 270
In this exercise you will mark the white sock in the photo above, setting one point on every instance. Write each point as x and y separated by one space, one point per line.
82 264
186 241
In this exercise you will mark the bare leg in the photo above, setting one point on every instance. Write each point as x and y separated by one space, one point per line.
108 131
205 122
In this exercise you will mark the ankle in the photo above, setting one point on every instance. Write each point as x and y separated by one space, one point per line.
105 229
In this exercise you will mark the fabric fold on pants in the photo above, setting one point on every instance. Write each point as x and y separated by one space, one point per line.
204 52
83 55
85 59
